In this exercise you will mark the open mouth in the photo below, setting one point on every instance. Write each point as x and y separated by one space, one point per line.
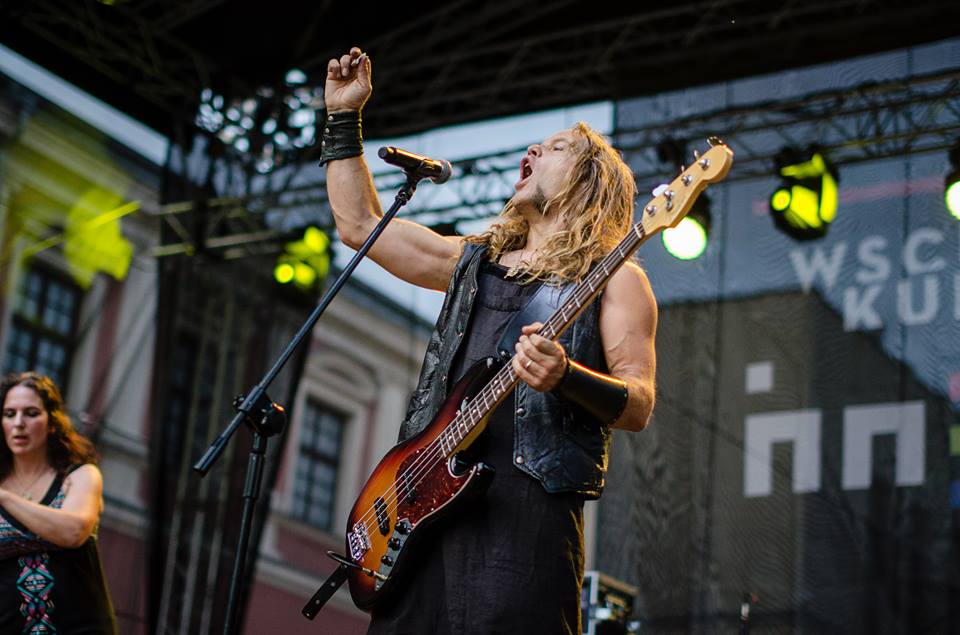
526 170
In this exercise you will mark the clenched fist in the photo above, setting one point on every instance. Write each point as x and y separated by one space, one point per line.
348 84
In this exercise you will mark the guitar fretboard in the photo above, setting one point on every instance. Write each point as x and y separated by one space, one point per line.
670 204
506 379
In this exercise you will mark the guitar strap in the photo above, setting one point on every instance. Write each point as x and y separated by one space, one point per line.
538 308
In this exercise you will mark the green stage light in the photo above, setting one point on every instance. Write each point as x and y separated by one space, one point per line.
315 240
283 272
951 192
952 197
688 240
304 275
805 203
305 262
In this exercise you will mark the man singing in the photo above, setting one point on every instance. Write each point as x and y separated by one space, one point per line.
511 562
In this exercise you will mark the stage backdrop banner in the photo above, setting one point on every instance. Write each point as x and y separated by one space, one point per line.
804 449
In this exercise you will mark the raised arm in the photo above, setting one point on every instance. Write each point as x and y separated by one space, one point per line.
72 524
410 251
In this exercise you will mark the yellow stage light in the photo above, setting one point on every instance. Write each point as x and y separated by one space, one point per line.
805 203
305 262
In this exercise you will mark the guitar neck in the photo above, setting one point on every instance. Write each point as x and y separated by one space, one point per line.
668 207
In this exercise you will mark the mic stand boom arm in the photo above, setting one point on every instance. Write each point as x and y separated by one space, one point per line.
267 418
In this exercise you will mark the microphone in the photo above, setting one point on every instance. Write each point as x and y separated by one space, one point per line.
437 171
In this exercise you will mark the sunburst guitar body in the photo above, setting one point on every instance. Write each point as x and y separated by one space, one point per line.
419 481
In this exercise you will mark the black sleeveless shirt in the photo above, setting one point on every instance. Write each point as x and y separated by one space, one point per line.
511 561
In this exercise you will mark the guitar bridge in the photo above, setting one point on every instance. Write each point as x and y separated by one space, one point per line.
358 541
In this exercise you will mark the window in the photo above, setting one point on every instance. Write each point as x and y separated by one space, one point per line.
43 325
315 478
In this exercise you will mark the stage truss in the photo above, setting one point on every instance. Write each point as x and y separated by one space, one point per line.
868 122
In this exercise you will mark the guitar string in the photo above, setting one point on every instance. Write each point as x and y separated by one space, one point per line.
636 236
432 456
430 459
427 461
434 453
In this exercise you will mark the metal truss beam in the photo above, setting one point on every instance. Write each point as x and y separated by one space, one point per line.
674 46
464 60
869 122
866 123
133 45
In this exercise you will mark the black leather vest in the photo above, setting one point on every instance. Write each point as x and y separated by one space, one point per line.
555 442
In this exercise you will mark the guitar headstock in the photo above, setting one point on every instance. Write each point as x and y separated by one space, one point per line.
672 202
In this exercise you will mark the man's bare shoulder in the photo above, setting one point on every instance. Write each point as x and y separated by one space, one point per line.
630 280
629 296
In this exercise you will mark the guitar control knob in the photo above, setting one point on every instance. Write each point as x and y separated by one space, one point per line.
387 560
404 527
394 543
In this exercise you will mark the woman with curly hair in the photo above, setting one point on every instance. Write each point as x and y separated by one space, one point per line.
51 578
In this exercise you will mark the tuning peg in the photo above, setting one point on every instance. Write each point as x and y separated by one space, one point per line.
660 189
715 141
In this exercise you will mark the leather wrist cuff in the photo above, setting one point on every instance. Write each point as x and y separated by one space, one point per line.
602 396
342 136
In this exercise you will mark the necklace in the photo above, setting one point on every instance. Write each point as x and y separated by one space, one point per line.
25 492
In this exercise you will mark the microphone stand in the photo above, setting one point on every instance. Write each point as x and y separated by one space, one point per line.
266 418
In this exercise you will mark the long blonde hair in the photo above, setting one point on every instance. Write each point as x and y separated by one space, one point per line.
595 208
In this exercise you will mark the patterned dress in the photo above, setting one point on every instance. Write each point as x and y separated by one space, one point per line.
48 589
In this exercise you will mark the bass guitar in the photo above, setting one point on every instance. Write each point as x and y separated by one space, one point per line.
422 479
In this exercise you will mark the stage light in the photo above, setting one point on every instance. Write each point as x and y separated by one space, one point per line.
93 238
951 191
688 240
805 203
283 272
305 262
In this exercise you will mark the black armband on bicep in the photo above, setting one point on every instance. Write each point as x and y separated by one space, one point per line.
602 396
